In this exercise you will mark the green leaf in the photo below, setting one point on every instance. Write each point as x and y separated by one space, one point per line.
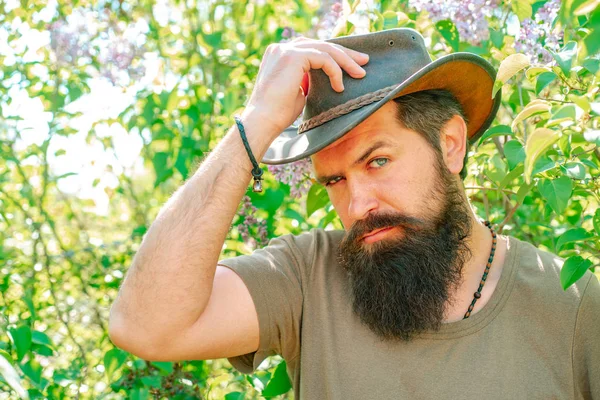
523 192
113 360
11 376
535 71
531 109
564 58
573 269
449 32
213 39
522 9
591 65
33 370
164 366
279 383
592 41
508 68
139 394
40 338
159 161
317 198
543 80
42 349
496 168
589 163
234 396
390 19
572 235
544 163
514 152
181 164
537 142
574 170
497 38
596 221
564 113
498 130
152 381
557 192
21 338
586 7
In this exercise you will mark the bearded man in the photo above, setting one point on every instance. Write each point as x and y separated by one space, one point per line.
417 298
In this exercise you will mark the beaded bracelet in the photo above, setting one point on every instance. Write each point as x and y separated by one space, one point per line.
256 170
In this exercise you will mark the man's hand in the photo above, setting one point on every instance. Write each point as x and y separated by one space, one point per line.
282 82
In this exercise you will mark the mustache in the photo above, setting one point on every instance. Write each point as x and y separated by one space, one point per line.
379 221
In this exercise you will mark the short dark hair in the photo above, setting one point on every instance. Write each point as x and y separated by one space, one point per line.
426 112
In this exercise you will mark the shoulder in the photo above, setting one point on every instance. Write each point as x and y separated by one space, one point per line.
538 277
307 249
316 243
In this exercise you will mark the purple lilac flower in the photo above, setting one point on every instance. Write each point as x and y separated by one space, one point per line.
120 57
297 175
535 34
250 223
469 16
70 40
329 20
85 34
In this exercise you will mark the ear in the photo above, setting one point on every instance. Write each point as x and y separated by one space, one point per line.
453 140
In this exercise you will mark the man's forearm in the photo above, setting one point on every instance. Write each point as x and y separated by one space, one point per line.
170 281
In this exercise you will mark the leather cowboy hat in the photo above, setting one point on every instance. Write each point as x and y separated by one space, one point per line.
399 64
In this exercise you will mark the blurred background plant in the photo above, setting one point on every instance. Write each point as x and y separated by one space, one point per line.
106 107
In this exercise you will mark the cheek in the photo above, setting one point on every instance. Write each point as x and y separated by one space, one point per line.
406 188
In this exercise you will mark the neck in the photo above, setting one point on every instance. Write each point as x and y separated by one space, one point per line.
479 243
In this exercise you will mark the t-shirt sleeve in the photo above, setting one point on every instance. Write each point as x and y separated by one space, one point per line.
586 344
274 276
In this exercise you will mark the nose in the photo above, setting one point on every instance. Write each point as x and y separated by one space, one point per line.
362 200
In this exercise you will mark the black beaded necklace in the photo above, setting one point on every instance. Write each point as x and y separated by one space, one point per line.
477 294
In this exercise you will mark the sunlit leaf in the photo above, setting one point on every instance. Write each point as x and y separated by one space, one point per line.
11 376
574 170
508 68
531 109
565 56
557 192
596 221
449 32
498 130
543 80
279 382
514 152
572 270
522 9
572 235
537 142
21 338
113 360
316 199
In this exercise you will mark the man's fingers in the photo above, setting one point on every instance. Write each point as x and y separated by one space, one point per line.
322 60
346 58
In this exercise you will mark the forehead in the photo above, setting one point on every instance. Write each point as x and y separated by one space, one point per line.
381 125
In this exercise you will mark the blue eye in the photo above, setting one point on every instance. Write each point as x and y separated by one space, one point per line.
379 162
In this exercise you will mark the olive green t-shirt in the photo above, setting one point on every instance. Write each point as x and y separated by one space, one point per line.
532 340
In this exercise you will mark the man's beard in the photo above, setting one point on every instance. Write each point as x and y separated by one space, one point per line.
403 286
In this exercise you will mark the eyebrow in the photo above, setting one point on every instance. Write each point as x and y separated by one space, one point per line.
377 145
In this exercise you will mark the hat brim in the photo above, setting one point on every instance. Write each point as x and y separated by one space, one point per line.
469 77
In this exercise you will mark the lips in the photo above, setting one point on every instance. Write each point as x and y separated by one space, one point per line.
375 231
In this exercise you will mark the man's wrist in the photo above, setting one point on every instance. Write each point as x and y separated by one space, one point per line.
260 123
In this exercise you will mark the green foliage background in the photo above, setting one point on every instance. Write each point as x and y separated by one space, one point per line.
535 174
